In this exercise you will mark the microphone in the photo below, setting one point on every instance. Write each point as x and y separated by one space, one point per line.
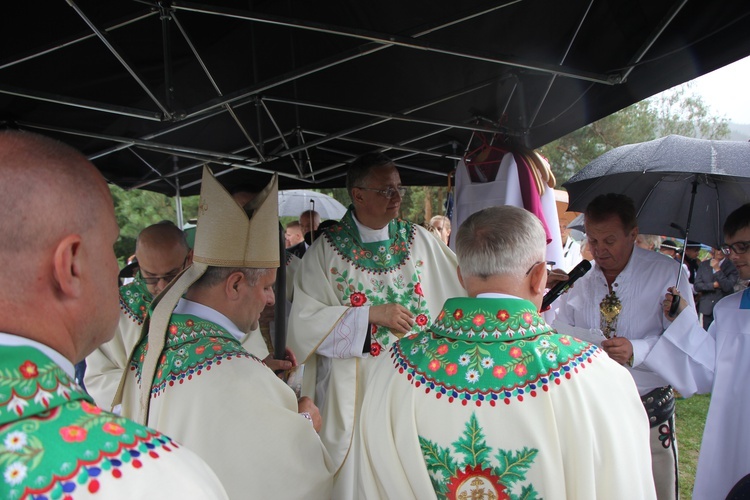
562 287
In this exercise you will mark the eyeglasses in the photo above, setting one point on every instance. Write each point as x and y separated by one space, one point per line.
153 280
549 263
737 247
389 192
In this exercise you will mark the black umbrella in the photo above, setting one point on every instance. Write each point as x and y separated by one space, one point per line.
678 184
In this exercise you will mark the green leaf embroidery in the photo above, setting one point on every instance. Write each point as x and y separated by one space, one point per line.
437 460
513 466
472 443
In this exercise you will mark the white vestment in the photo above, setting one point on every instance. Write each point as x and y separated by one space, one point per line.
696 362
231 409
344 272
492 403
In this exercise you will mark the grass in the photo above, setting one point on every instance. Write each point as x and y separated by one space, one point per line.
690 417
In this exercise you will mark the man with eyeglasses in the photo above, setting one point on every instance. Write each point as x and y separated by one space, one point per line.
371 279
696 362
162 252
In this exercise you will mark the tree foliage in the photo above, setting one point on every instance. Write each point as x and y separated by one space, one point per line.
678 111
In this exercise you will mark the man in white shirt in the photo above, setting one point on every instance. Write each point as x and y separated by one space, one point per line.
622 296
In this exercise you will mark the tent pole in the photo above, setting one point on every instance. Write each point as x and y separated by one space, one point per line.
178 198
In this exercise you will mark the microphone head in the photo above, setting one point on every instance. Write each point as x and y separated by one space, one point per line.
582 268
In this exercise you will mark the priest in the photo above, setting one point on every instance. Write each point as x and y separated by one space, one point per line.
191 376
58 231
371 279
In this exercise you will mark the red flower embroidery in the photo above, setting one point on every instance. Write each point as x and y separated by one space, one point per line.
373 329
441 315
418 289
216 347
375 349
499 371
213 339
200 349
442 349
173 329
434 365
520 370
421 319
478 319
458 314
527 317
190 322
28 369
515 352
503 315
564 340
91 409
113 428
73 434
358 299
451 369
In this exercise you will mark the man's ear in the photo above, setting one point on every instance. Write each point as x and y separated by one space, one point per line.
67 266
232 285
189 260
538 279
460 278
356 195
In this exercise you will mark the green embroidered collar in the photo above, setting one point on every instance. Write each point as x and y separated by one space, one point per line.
135 300
489 319
31 383
379 256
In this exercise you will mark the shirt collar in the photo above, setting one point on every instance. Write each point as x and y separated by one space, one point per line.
369 235
8 339
190 308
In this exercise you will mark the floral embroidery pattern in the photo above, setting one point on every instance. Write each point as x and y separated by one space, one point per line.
135 300
479 474
665 436
96 444
34 384
486 320
192 345
489 368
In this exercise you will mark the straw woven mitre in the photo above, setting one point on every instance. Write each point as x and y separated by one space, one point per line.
227 235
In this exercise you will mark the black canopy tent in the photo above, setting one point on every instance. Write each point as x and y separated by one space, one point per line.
153 90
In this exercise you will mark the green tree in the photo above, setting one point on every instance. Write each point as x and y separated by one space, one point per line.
678 111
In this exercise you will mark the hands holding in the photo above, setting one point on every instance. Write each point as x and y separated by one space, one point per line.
280 365
619 348
556 276
306 405
668 303
394 316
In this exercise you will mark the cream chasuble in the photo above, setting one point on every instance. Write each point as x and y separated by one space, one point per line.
232 410
340 274
491 403
54 443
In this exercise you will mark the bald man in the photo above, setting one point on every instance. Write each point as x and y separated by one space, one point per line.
58 232
162 252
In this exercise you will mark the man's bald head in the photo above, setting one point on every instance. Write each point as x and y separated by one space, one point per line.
47 189
58 230
162 251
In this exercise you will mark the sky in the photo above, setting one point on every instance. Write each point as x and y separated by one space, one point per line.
727 91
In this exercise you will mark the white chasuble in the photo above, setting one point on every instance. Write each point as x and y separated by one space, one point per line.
232 410
338 279
491 403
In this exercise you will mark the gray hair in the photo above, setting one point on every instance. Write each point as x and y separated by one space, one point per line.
361 168
500 241
215 275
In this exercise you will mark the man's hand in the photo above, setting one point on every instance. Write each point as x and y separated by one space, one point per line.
619 348
394 316
556 276
305 405
281 365
668 303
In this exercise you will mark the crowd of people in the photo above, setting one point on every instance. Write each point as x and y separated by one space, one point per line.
425 373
